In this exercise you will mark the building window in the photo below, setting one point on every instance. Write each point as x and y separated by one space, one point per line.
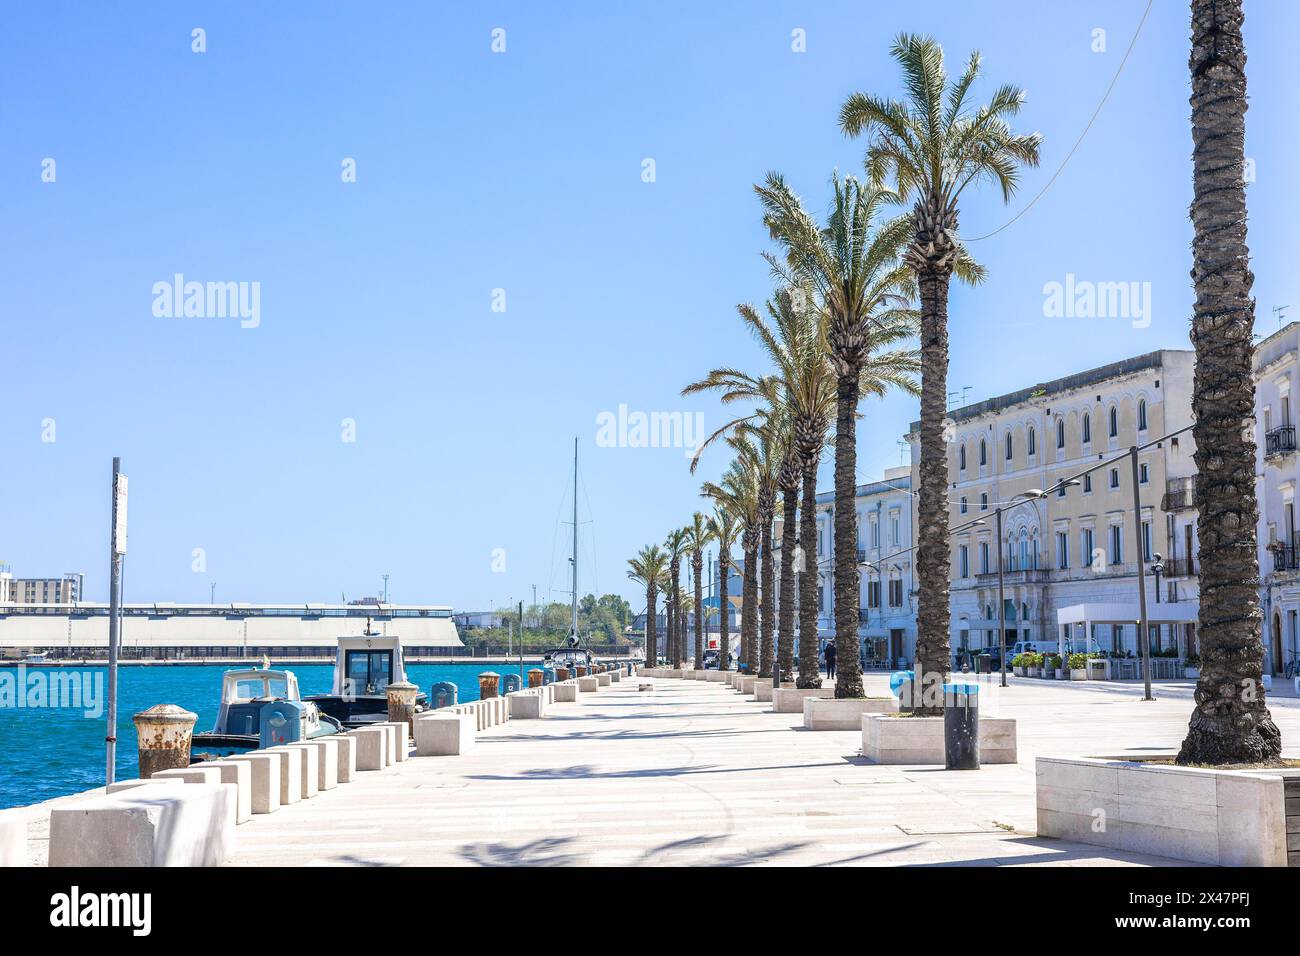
1116 544
1008 446
1146 540
1087 428
963 505
984 557
1114 477
984 502
875 532
1089 546
873 594
1114 422
893 528
896 592
1060 433
1142 473
984 453
1062 550
1087 483
961 457
1030 448
1060 488
1142 415
963 560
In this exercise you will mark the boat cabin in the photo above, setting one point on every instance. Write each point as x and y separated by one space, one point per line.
366 665
243 692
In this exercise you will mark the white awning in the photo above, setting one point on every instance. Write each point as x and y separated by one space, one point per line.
1164 612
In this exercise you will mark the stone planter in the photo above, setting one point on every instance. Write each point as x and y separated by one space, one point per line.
1018 671
1219 817
789 700
1078 673
830 713
763 689
1032 671
919 740
746 684
1058 674
1191 673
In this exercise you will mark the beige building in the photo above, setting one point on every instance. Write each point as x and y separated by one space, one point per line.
64 590
1076 549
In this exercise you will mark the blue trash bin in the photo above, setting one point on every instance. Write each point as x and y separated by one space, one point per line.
443 694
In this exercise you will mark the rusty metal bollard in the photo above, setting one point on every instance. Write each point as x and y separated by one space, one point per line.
163 734
535 677
488 682
561 673
401 704
582 670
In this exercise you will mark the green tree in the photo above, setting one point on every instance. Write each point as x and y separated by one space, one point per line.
650 569
698 537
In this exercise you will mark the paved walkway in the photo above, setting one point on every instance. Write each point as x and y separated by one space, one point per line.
693 773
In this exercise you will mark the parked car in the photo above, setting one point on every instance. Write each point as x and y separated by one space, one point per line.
711 660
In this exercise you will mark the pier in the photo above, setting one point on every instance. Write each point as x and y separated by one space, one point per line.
695 773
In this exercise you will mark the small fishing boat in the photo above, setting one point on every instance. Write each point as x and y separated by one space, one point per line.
364 666
244 694
570 656
38 657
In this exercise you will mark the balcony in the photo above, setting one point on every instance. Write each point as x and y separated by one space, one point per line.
862 555
1180 494
1286 557
1279 441
1019 576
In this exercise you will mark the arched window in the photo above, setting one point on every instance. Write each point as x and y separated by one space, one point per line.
1060 433
1008 446
1087 428
1114 422
1142 415
984 453
963 506
961 457
1030 448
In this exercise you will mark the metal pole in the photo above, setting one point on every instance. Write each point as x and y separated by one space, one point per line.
575 537
1144 640
114 609
521 643
1002 603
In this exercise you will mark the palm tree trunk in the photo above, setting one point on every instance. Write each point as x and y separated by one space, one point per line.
810 674
749 610
670 615
768 602
651 642
933 559
1231 722
697 567
848 667
724 625
786 606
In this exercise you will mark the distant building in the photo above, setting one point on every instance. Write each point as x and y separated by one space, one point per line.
480 619
62 590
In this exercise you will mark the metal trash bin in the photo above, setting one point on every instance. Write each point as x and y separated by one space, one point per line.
443 694
513 682
961 726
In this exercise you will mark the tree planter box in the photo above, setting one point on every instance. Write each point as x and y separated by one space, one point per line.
1078 673
1220 817
763 689
830 713
789 700
714 677
919 740
1018 671
1032 671
746 684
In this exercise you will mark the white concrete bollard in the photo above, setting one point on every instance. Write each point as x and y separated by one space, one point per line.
199 773
372 747
442 734
148 826
347 754
604 679
588 685
566 693
13 838
525 705
399 747
290 774
131 784
327 762
309 759
239 775
264 779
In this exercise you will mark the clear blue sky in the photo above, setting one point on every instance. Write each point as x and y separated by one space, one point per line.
519 171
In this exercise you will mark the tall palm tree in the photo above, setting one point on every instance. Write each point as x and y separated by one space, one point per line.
723 526
675 544
650 569
698 537
854 267
931 146
738 490
1231 722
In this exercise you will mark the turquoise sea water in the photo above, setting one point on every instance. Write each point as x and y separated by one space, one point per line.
47 752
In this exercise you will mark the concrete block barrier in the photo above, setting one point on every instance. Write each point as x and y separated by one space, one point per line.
789 700
525 705
604 679
327 760
240 776
291 771
399 743
13 838
264 779
147 826
199 773
444 734
347 754
616 676
715 677
566 693
122 785
830 713
588 685
372 747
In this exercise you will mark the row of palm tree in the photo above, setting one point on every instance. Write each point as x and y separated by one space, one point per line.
854 289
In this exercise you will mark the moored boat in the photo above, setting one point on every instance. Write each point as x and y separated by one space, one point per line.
248 713
364 666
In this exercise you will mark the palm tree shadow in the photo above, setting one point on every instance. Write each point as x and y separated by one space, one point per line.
543 852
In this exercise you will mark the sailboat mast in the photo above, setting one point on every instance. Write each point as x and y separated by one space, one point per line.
575 537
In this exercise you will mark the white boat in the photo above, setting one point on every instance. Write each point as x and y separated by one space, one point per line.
364 666
244 694
39 657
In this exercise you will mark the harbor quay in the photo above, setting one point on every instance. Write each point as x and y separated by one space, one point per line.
709 776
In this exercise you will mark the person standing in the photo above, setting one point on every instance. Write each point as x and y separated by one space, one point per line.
830 660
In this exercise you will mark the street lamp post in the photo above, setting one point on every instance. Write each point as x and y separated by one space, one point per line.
1144 639
1157 569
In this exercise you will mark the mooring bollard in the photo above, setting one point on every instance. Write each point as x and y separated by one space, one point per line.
536 677
513 682
582 670
163 734
444 694
488 683
961 726
401 704
561 673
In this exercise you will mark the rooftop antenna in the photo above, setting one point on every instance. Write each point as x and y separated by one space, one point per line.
1280 312
902 451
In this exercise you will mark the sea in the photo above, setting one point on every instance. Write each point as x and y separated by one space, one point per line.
52 751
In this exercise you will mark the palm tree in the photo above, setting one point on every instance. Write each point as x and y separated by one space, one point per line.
863 287
698 537
650 569
1231 722
931 146
723 526
738 493
675 544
